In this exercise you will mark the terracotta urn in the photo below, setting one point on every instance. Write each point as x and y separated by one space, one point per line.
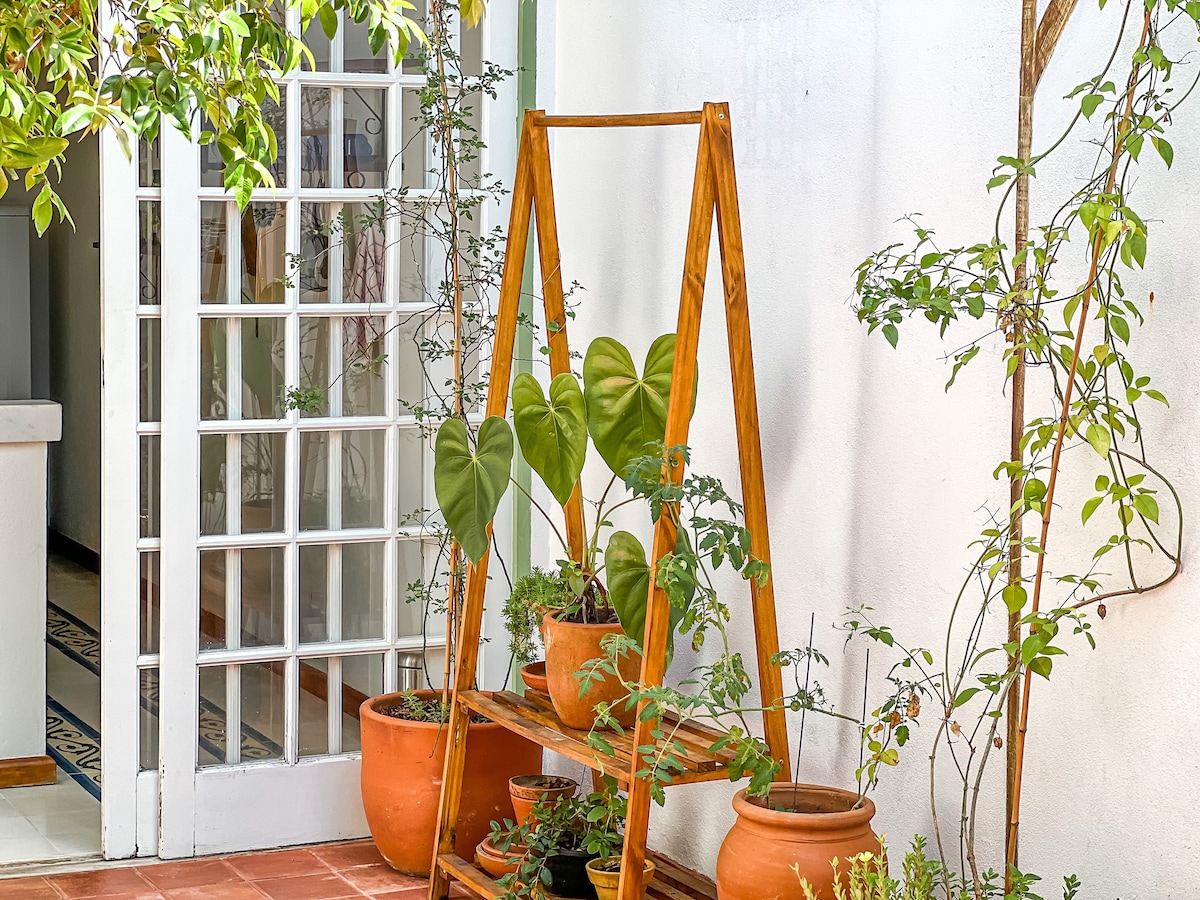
526 790
606 880
402 765
568 646
767 851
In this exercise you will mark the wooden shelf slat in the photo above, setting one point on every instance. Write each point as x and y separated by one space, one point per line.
475 880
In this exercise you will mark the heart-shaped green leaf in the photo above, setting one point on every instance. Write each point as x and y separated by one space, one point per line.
629 586
553 434
627 412
469 484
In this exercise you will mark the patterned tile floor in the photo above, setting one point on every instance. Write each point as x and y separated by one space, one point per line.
322 872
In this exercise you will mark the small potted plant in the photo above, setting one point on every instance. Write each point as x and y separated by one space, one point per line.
533 596
526 791
558 841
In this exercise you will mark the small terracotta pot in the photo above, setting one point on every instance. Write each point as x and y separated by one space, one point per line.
568 646
534 676
402 779
496 863
526 790
767 852
606 881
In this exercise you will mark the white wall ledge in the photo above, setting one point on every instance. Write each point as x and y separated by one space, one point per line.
30 421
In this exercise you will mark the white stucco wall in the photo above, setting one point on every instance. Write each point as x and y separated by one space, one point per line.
846 116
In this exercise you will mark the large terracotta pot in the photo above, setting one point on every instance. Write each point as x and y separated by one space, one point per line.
402 779
568 646
757 856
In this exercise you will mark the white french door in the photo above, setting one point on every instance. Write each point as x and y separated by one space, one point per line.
283 547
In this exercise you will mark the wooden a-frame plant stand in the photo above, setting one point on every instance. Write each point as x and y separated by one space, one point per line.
714 191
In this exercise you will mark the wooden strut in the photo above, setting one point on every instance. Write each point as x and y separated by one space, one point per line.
714 194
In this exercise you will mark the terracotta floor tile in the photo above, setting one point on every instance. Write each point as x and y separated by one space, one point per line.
257 866
192 873
350 853
307 887
28 889
406 894
103 883
230 890
381 878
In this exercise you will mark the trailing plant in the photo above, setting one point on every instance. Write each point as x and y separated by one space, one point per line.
533 595
1092 395
418 709
82 67
592 824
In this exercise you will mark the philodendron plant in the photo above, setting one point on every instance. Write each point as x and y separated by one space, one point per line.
624 414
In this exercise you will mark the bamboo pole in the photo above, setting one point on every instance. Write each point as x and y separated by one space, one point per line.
1052 482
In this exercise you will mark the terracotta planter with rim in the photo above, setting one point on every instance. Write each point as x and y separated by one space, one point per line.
526 790
757 857
534 676
495 863
402 778
607 881
568 646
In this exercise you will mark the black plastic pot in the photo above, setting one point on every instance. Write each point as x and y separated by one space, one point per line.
568 873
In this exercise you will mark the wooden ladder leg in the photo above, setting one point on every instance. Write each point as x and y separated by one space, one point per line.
469 633
658 612
745 404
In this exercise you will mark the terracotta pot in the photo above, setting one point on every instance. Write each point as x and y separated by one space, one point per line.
758 855
496 863
606 881
534 676
402 779
568 646
526 790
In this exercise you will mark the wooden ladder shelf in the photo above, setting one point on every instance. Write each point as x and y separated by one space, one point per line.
714 193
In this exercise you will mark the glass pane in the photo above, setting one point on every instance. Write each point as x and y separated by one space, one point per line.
363 366
214 366
262 711
413 141
315 245
262 596
263 491
362 591
409 369
318 42
212 484
264 253
212 169
149 253
262 368
150 455
314 137
275 115
149 370
364 143
314 707
410 482
150 602
148 720
362 677
364 249
314 593
412 266
362 478
314 480
149 163
211 714
314 365
213 590
410 571
357 55
214 280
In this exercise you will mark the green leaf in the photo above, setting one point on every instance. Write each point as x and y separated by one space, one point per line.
963 696
1165 150
1089 104
469 485
1014 598
628 582
1100 439
1041 665
43 209
627 412
329 20
1090 507
1120 327
1147 506
997 181
553 435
